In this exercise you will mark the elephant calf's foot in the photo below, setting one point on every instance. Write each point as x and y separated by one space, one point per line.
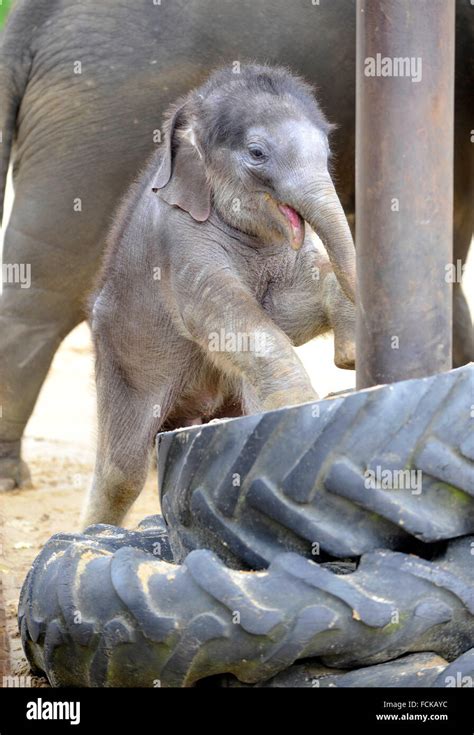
14 471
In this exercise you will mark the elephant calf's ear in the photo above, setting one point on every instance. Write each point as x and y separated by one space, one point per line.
183 182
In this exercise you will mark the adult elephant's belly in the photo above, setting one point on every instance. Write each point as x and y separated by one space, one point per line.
79 148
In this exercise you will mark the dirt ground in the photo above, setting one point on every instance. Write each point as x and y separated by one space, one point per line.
59 448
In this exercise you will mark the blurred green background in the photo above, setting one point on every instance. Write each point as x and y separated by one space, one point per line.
4 8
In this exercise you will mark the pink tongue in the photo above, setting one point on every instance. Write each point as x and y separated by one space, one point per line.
291 215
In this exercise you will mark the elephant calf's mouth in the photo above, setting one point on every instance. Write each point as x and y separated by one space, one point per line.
296 224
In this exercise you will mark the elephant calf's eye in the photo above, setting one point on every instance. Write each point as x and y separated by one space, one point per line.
257 153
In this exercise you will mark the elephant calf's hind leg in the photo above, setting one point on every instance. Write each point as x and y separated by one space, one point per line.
127 429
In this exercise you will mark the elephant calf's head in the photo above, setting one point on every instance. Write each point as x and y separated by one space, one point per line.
254 145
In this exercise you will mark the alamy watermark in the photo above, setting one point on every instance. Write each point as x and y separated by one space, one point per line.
224 341
386 479
17 273
20 682
459 681
43 709
454 271
410 67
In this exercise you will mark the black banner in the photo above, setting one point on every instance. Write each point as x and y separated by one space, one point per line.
377 710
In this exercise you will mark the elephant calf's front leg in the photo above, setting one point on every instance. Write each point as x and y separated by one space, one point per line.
313 303
241 339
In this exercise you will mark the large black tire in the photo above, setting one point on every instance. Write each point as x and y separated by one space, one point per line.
293 479
418 670
104 610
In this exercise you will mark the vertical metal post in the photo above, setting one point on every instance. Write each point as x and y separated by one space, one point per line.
404 188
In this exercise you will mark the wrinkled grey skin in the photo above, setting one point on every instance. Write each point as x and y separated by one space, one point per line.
231 263
84 137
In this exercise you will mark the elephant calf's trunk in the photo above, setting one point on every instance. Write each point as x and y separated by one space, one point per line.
323 211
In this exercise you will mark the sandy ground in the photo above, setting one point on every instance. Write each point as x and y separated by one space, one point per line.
59 448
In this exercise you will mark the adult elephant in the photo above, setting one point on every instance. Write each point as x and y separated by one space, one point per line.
83 86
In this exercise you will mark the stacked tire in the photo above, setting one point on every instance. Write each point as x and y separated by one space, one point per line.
327 544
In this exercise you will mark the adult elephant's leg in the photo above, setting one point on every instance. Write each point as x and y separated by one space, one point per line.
463 336
33 321
463 332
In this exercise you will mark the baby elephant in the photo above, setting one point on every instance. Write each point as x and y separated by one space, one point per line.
211 275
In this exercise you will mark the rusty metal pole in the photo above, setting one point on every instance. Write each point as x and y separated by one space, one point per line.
404 188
